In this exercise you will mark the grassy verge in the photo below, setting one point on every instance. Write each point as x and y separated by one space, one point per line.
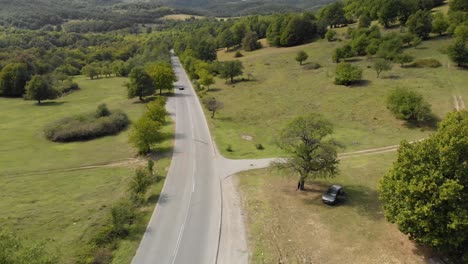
282 89
292 226
65 209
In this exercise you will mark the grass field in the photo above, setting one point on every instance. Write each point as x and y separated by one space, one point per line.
296 227
65 209
283 90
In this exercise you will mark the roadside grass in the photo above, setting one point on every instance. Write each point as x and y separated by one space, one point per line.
288 226
65 209
282 90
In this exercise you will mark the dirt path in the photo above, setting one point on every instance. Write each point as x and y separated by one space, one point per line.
111 164
458 102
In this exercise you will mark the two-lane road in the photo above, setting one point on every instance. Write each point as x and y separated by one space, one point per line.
185 226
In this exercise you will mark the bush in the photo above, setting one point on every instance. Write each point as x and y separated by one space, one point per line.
238 54
86 126
229 148
259 146
408 105
123 214
330 35
139 185
67 86
426 63
102 111
347 74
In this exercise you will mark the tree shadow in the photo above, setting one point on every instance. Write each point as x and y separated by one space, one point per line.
224 118
158 198
391 77
364 199
361 83
214 90
53 103
430 124
354 59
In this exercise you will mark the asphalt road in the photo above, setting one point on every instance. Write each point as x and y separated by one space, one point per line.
185 225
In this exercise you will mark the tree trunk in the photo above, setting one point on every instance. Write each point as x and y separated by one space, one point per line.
300 184
141 98
39 101
232 79
212 114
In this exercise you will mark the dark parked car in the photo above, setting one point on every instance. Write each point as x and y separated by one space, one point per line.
333 194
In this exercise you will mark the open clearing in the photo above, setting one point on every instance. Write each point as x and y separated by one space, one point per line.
288 226
283 90
40 200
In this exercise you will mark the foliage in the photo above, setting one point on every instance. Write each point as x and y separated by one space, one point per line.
390 47
347 74
458 52
39 88
343 53
163 76
139 185
301 56
408 105
86 126
426 63
330 35
403 58
311 154
206 79
13 78
122 215
238 54
425 191
420 24
364 21
15 250
231 69
141 84
381 65
250 41
102 111
156 110
213 106
440 23
333 14
145 133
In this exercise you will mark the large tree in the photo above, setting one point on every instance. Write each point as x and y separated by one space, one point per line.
311 154
39 88
163 76
145 133
140 84
425 193
13 78
231 69
420 23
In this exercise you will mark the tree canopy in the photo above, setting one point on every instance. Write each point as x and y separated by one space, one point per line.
39 88
140 84
425 191
163 76
312 153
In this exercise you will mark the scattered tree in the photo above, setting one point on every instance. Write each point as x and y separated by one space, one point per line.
250 41
425 191
145 133
139 185
140 84
408 105
343 53
39 88
403 58
347 74
91 71
381 65
206 79
458 52
213 106
231 69
420 24
163 76
122 216
301 57
364 21
311 155
156 110
439 23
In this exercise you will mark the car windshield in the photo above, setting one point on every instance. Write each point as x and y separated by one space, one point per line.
332 191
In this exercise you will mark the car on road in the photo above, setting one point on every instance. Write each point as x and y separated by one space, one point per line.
333 194
181 88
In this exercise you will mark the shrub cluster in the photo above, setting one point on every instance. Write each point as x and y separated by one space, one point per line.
87 126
